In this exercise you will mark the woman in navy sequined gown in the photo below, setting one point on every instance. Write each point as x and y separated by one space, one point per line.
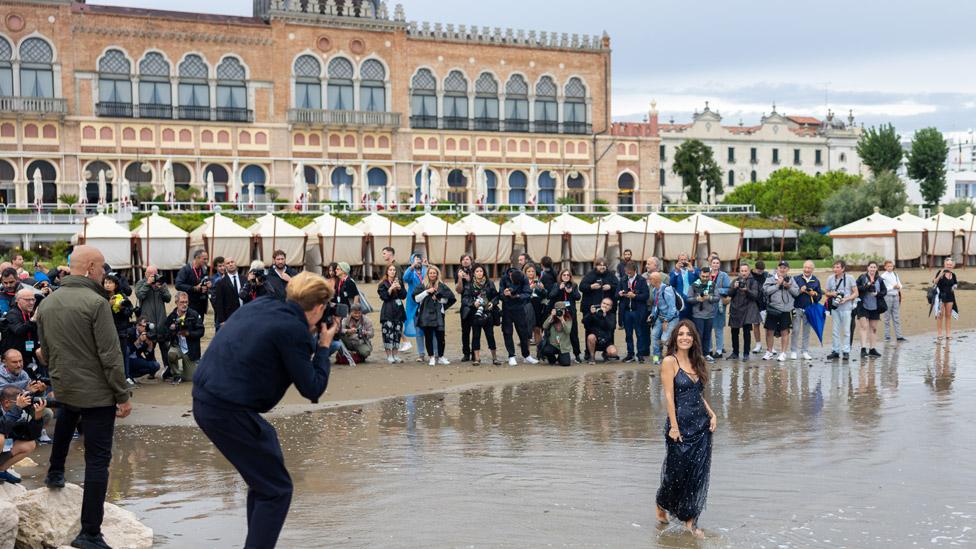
688 430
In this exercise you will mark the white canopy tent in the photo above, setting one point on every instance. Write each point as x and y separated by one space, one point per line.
492 243
444 242
333 240
277 234
382 232
941 222
112 239
221 236
878 234
937 241
968 221
585 244
161 243
713 236
655 234
539 238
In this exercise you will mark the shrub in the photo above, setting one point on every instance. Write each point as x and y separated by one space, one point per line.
823 252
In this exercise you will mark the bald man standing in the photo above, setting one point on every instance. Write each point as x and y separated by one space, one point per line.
85 363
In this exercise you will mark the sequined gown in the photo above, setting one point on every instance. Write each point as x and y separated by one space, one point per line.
684 475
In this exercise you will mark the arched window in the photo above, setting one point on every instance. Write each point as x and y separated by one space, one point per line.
574 188
625 192
7 182
546 110
220 178
372 86
308 83
136 176
516 187
547 189
194 89
492 178
486 103
423 100
48 178
731 178
457 184
114 84
232 91
752 176
36 68
91 181
456 101
341 185
340 84
376 179
311 176
517 104
253 174
6 69
574 109
155 92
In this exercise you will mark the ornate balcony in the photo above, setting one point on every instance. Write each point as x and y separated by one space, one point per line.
494 125
322 117
34 105
151 110
187 112
234 114
114 109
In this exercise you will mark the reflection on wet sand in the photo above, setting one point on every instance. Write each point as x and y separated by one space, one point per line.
806 455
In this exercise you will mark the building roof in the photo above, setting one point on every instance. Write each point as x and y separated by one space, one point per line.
805 120
631 129
96 9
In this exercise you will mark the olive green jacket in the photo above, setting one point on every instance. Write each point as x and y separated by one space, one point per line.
81 345
558 337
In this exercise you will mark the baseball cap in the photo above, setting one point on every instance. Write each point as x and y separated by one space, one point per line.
784 264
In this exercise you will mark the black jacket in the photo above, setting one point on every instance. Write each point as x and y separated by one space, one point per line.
123 317
16 426
599 324
641 290
192 328
346 291
520 294
226 298
556 293
256 356
430 313
290 271
392 311
471 294
19 331
187 280
252 291
594 297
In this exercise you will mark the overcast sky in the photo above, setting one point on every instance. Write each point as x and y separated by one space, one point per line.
903 61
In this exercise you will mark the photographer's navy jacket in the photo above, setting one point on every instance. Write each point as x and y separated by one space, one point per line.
803 301
643 293
257 355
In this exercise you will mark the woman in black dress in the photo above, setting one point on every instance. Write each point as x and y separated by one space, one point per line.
688 430
393 314
945 280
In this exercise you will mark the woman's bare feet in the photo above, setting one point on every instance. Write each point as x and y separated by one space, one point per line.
662 515
694 529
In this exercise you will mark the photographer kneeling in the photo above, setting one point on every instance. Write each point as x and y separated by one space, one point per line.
142 350
556 347
599 325
357 334
20 426
248 367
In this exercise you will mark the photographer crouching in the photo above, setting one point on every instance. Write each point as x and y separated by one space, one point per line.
185 329
20 426
250 364
556 346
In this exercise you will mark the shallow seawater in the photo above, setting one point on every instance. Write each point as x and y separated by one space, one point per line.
867 454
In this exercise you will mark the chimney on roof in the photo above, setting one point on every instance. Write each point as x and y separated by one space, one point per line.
652 119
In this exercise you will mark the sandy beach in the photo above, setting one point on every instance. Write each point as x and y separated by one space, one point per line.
157 403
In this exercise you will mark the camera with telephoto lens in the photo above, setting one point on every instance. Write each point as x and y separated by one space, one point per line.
334 312
479 309
835 301
260 275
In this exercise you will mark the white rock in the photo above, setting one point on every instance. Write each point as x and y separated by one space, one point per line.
9 519
48 518
121 528
26 462
9 491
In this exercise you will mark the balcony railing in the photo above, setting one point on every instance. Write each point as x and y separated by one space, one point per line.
114 109
150 110
322 117
188 112
234 114
38 105
493 124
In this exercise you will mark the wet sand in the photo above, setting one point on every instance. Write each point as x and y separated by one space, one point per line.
162 404
866 454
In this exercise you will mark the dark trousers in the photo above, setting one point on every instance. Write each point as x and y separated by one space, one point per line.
553 356
98 426
139 367
429 335
685 314
704 327
466 329
633 320
512 322
489 331
251 445
746 339
574 337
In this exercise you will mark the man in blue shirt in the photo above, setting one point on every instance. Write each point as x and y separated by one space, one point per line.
682 277
254 358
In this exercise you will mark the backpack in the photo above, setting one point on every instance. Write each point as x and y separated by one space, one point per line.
679 301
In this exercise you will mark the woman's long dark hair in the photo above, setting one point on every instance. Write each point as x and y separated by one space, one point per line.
695 354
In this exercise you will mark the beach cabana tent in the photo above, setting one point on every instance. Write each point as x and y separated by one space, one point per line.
713 236
112 239
538 238
161 243
584 243
331 239
664 237
878 234
444 242
491 243
941 222
220 236
272 233
381 232
968 221
937 241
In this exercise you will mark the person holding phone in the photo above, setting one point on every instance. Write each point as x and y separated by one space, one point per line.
945 305
681 279
566 290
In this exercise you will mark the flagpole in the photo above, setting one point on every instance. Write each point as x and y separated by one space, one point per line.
965 259
647 227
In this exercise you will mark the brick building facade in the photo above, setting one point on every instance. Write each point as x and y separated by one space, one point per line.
350 90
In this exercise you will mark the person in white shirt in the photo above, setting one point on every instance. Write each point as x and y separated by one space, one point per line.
892 317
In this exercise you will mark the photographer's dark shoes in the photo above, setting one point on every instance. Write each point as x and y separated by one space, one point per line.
54 480
6 476
88 541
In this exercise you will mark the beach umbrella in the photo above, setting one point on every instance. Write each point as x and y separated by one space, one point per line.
532 190
169 181
481 186
363 186
235 183
211 193
250 194
435 185
298 185
101 186
816 316
82 192
424 183
38 188
125 190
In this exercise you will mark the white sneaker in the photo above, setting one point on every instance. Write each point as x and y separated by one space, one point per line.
44 438
531 360
793 356
758 348
405 346
13 473
432 362
768 355
390 359
782 357
512 361
806 356
443 360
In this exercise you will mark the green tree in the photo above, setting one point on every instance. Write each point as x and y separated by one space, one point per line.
880 148
794 195
926 164
834 180
694 163
957 207
885 192
746 193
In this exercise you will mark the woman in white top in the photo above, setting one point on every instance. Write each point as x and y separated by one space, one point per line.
893 300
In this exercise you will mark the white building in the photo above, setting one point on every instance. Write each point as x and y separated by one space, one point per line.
752 153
